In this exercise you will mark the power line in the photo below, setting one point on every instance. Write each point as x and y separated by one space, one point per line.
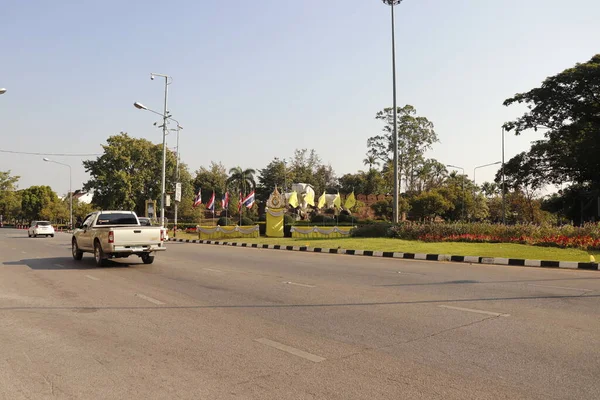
50 154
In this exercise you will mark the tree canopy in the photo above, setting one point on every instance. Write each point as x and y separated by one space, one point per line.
568 106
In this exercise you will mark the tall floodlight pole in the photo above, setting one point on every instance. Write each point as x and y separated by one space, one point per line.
393 3
503 189
164 160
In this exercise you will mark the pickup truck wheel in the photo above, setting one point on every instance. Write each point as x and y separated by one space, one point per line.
147 258
98 255
77 254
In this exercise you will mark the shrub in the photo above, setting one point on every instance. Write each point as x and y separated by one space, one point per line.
345 218
372 230
225 221
262 228
321 218
247 221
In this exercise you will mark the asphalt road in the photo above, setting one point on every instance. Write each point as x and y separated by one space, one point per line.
215 322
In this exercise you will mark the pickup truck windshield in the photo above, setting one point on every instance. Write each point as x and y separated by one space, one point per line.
116 219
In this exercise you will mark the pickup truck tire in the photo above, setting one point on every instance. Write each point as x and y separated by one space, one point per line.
77 254
147 258
98 254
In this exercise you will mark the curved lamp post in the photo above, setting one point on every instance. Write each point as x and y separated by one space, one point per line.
482 166
70 189
393 3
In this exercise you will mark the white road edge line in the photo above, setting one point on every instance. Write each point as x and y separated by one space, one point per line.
150 299
59 265
560 287
292 350
299 284
92 277
476 311
213 270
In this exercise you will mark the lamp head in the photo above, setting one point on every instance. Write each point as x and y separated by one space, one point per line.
151 76
139 106
2 90
46 159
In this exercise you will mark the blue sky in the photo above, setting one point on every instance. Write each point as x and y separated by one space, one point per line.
255 80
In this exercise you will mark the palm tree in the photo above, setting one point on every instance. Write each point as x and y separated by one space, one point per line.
240 179
370 160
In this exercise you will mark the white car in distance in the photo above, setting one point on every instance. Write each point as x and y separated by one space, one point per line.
40 228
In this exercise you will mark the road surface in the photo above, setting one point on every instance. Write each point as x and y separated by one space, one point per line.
216 322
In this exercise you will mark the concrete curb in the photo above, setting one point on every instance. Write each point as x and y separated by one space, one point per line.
408 256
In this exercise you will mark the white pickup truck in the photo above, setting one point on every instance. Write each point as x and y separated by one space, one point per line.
116 234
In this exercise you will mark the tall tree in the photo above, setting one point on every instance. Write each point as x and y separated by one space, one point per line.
274 174
212 178
37 202
128 173
9 197
415 136
568 105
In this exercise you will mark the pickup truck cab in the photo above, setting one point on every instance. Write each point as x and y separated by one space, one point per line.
116 234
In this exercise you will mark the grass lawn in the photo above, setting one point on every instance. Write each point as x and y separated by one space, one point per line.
408 246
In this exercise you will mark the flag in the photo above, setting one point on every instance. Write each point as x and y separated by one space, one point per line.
309 198
225 200
337 202
322 201
211 203
198 198
350 201
249 200
293 201
240 203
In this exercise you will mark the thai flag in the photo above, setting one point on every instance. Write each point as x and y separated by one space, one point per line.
198 198
249 200
225 200
211 203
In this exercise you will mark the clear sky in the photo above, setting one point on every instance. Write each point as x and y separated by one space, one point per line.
256 79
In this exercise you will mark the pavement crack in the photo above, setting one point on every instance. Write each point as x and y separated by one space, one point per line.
445 331
367 349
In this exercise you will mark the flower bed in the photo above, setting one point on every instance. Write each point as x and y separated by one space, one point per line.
586 237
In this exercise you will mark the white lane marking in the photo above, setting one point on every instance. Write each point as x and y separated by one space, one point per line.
560 287
24 252
298 284
291 350
92 277
409 273
476 311
213 270
59 265
150 299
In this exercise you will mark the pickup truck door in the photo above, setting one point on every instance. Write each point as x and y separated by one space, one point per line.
85 237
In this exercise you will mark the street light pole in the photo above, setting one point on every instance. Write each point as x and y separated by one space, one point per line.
70 189
393 3
463 188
